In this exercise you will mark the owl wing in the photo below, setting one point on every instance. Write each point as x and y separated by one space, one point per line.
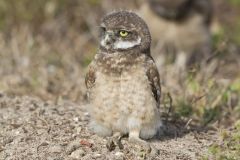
90 76
154 79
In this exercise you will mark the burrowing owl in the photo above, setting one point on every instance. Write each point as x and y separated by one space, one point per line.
182 26
123 81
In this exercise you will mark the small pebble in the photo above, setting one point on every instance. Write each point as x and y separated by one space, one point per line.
55 149
119 155
1 94
78 154
72 147
79 129
97 155
76 119
86 114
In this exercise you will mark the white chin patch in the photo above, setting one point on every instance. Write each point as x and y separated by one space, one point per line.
127 44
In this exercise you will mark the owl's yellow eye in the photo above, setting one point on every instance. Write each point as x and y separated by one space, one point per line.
123 33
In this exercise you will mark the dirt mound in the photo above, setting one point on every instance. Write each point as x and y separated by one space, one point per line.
33 129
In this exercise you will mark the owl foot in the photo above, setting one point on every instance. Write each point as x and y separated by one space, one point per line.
114 141
147 150
145 145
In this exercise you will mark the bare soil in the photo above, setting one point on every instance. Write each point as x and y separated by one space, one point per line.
33 129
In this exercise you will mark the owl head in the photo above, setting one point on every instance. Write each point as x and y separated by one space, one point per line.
124 31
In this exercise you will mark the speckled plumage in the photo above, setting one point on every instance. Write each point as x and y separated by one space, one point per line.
123 84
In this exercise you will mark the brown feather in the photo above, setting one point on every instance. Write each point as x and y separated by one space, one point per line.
154 79
90 77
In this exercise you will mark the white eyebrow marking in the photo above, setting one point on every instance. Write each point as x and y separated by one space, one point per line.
127 44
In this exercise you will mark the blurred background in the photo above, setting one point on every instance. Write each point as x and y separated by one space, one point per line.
46 46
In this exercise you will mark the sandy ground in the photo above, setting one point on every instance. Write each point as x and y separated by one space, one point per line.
33 129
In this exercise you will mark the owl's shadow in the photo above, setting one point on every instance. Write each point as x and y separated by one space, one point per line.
173 130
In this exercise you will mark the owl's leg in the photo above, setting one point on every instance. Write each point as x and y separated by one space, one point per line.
100 129
148 132
148 149
134 138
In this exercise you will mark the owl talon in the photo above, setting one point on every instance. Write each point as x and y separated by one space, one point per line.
134 138
110 145
114 141
119 143
144 145
147 150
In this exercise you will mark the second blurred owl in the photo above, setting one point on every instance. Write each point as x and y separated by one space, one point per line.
180 26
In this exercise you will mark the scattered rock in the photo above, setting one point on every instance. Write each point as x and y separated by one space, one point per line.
78 130
77 154
1 94
97 155
119 155
72 147
69 137
86 143
55 149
